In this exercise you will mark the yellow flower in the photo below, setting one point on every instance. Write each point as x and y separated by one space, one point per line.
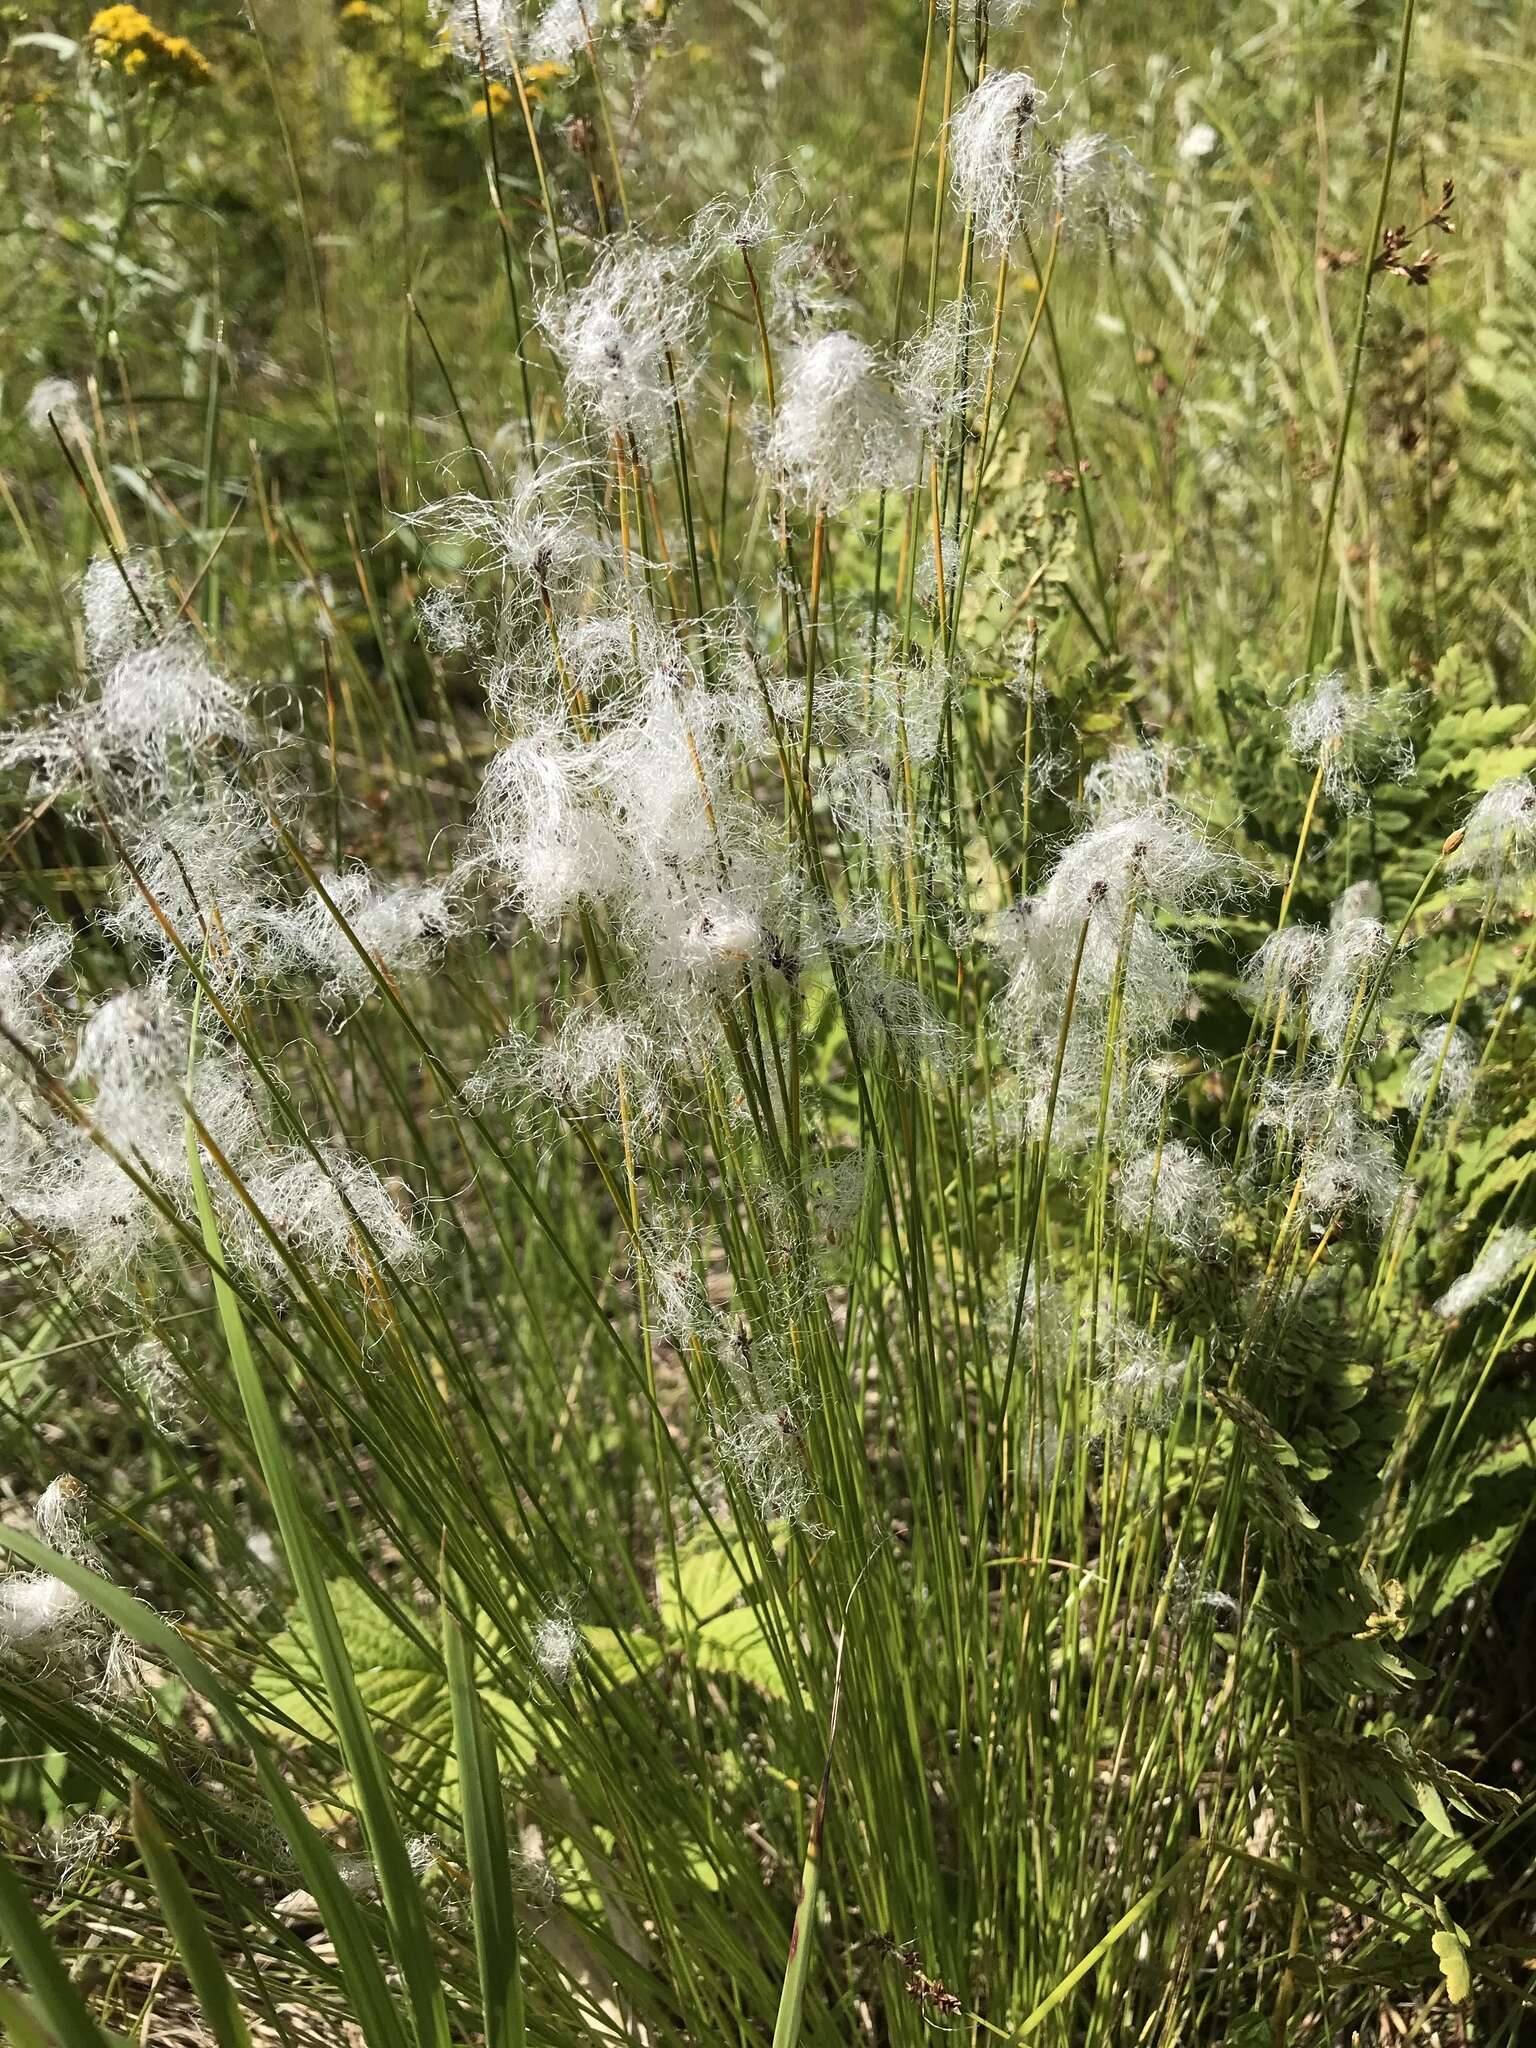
538 78
127 38
360 10
494 100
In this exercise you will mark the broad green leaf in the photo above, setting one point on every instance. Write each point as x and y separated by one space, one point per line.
709 1578
1453 1965
404 1687
734 1646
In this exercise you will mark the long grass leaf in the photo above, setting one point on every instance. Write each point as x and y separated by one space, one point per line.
486 1846
371 2002
194 1944
398 1884
43 1967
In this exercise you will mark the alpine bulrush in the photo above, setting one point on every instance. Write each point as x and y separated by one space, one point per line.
1095 187
1498 839
332 1211
40 1616
199 876
1447 1063
1346 993
27 965
1000 167
1138 1380
161 707
838 430
1283 970
1500 1259
558 1646
1175 1194
402 927
1342 1162
122 608
59 400
626 338
534 539
1352 735
447 622
942 371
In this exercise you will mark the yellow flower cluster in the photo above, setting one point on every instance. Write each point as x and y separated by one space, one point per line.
127 39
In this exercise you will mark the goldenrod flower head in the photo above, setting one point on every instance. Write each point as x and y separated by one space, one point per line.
126 39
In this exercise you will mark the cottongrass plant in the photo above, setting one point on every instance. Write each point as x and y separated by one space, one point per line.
778 1383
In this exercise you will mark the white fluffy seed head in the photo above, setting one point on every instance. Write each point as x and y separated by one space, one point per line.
334 1212
1346 995
154 1375
1354 734
534 538
448 625
60 1514
557 1647
1360 899
1095 187
838 430
1445 1063
1343 1164
164 700
1174 1194
133 1053
627 338
122 609
1499 1260
484 30
403 927
760 1440
1283 969
1000 167
1137 1382
563 30
27 965
37 1612
1498 839
942 372
61 401
203 861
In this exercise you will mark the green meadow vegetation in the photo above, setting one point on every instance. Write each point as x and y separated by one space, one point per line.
767 1160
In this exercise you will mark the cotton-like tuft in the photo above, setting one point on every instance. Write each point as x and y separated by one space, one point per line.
1500 1259
61 400
1346 993
1001 170
1284 969
839 430
1498 839
122 609
558 1647
1446 1061
1096 187
403 927
626 338
1353 733
333 1211
27 965
1175 1194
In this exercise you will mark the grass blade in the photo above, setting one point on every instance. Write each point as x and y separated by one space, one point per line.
398 1884
486 1846
70 2024
209 1980
371 2003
